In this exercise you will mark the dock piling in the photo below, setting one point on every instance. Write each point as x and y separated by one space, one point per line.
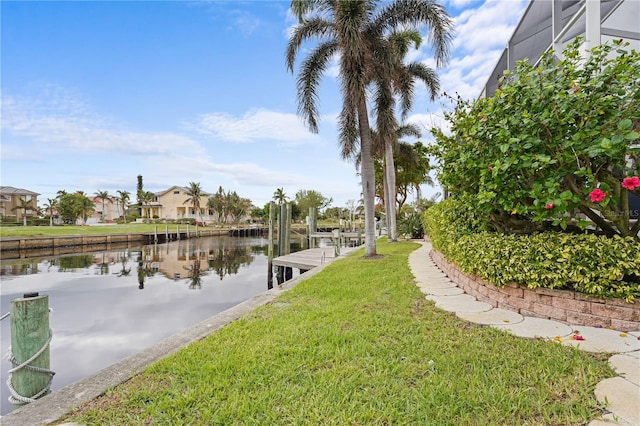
30 378
270 247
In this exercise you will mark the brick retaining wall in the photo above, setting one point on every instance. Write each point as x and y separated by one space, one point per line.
561 305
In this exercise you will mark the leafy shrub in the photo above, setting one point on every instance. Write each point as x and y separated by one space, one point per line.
411 225
38 221
556 146
587 263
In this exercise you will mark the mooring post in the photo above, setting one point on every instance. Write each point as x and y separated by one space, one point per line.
177 231
281 230
288 274
313 225
155 234
166 232
30 336
188 231
337 241
288 229
270 247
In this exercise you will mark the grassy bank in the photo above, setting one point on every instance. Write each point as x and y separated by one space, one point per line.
127 228
52 231
357 344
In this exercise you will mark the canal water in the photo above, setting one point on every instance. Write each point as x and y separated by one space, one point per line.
111 304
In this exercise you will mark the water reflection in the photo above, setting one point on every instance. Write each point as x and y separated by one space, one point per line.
220 255
111 304
71 263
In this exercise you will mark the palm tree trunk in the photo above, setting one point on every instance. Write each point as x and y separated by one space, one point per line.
390 175
367 173
385 190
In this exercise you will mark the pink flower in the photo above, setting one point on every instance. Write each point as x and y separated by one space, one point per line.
631 183
597 195
549 206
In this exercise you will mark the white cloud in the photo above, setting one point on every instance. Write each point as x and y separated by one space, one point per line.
488 26
426 122
461 3
256 175
284 128
59 119
245 22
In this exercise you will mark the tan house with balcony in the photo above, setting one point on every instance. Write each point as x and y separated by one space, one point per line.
172 204
10 202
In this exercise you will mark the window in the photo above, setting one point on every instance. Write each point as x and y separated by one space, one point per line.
176 192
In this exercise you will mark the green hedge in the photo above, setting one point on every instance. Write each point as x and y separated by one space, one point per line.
590 264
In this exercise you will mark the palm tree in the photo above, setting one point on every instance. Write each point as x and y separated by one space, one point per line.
355 30
23 206
103 195
194 191
217 204
123 199
144 199
398 79
279 196
415 173
52 203
386 148
84 205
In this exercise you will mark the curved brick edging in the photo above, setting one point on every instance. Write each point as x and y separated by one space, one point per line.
560 305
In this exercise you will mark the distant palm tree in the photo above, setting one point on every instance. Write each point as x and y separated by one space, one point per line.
279 196
145 198
23 206
417 171
194 191
355 30
123 200
84 205
103 195
238 206
398 79
52 203
217 204
386 148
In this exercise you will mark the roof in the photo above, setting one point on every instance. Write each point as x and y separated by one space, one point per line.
181 188
10 190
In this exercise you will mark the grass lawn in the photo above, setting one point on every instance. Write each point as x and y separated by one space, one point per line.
48 231
127 228
358 344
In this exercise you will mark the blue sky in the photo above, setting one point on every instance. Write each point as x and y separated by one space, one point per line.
94 93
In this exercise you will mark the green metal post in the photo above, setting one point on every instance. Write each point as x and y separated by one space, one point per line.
29 334
288 229
270 247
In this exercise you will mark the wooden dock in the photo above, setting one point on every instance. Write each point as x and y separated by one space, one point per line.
310 258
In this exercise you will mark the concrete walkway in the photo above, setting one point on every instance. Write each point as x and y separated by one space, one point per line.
620 395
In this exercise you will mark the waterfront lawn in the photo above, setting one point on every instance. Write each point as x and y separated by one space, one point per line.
61 230
358 344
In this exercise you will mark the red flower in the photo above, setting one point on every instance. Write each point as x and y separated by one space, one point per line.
631 183
577 337
549 206
597 195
